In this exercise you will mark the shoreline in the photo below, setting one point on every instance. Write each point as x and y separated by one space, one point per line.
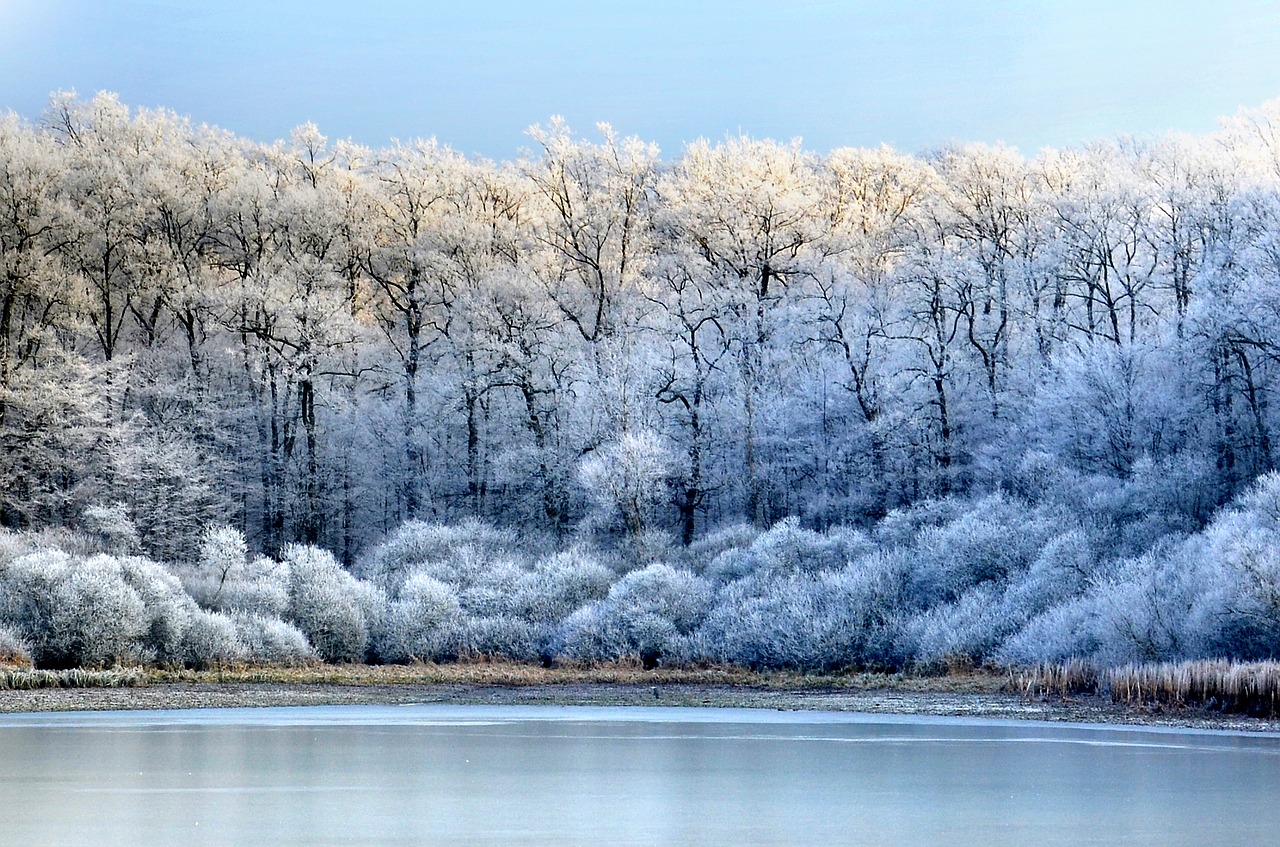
911 698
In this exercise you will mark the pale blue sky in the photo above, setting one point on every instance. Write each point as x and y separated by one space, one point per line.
476 74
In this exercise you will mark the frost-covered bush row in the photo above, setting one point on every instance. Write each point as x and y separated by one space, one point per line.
78 609
999 580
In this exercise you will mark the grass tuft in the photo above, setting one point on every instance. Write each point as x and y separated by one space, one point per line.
27 679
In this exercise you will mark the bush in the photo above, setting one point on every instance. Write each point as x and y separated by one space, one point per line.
14 649
324 602
224 578
501 636
95 618
112 527
649 613
788 548
1062 633
703 551
445 550
558 586
169 609
211 641
27 586
967 631
424 623
271 641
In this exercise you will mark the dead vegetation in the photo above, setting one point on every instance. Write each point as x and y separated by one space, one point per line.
1247 688
27 679
1230 687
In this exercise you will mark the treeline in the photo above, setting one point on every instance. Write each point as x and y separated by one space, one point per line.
944 583
316 342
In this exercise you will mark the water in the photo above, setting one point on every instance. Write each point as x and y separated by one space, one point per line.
475 775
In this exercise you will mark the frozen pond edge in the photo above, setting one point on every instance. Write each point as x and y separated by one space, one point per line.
266 704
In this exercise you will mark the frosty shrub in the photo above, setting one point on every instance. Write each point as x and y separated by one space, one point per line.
975 626
768 620
591 634
558 585
1231 574
112 527
324 602
992 540
788 548
679 596
418 546
12 545
502 636
223 554
261 588
95 618
1146 609
211 641
35 587
483 591
271 641
649 613
168 609
94 611
1063 568
422 624
1063 632
27 587
224 578
704 550
829 620
968 630
1142 611
901 527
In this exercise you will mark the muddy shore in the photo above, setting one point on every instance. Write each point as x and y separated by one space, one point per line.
975 704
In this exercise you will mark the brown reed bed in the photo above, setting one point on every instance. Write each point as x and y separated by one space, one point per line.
1067 679
502 673
1250 688
1246 688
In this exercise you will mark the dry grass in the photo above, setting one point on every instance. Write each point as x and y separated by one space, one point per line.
1249 688
508 674
1069 679
24 679
515 674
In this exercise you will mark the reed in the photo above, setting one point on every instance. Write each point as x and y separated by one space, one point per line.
1066 679
1251 688
26 679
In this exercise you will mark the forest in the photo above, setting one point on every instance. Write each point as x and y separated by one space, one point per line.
751 404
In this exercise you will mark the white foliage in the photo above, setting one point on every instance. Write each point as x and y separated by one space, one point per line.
271 641
628 478
423 623
324 602
211 641
95 618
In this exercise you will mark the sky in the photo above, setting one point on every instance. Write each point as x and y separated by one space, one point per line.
914 74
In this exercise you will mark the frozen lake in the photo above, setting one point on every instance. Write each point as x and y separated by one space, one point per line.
455 775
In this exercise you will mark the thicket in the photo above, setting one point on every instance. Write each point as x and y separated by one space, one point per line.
1000 580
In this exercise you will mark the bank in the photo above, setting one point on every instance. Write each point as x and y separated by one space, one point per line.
967 693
